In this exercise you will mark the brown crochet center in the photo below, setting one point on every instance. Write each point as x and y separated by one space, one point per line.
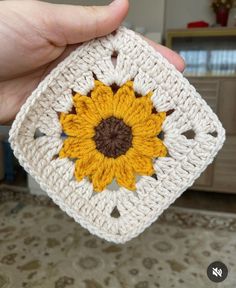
113 137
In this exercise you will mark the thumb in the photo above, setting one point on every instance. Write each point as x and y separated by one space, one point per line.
70 24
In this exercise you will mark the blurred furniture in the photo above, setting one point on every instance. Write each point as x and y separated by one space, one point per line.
210 56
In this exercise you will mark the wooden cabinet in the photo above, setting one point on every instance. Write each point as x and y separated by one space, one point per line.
208 88
227 105
210 57
220 94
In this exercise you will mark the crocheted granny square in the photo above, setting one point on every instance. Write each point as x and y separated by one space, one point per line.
107 135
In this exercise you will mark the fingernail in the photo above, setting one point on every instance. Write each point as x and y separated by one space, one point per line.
115 2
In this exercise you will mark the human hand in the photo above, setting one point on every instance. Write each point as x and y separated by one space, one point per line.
35 36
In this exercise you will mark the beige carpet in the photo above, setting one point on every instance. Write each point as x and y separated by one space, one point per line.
40 246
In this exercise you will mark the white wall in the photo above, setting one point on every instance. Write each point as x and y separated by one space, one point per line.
148 13
159 15
180 12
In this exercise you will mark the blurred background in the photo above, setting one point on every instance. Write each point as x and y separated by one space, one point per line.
37 240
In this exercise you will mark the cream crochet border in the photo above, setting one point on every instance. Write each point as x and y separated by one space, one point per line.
150 72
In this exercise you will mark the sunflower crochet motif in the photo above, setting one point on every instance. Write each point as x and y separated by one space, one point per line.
98 118
112 135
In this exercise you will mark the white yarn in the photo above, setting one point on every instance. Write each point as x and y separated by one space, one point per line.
150 72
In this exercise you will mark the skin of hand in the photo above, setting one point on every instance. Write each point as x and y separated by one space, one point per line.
35 36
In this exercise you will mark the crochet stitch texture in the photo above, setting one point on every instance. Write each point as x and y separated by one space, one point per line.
112 136
93 122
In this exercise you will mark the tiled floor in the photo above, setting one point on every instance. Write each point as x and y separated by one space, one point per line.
40 246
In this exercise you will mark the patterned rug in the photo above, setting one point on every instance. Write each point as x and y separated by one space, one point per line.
40 246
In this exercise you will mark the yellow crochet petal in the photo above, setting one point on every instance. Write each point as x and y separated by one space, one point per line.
74 147
141 164
104 174
151 147
87 165
86 109
150 128
124 173
102 97
86 132
123 99
74 126
81 167
70 124
140 110
70 148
